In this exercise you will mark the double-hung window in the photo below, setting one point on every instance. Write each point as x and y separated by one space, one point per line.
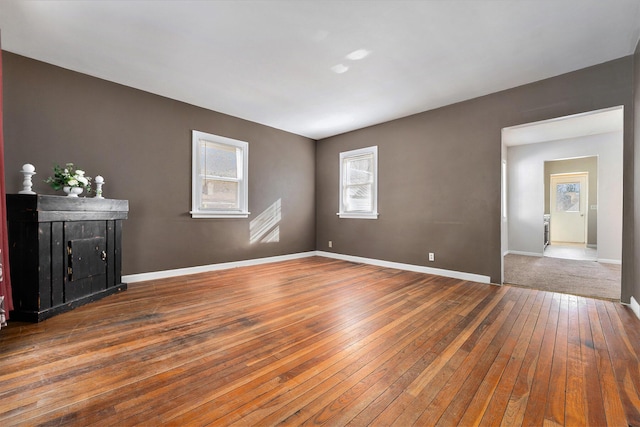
219 183
359 183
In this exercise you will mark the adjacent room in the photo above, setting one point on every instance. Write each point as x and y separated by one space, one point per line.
572 191
365 212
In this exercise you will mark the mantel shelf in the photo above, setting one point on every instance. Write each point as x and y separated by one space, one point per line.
45 208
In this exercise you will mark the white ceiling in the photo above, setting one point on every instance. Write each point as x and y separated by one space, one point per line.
279 63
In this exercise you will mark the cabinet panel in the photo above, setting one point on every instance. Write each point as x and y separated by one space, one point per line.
44 274
24 252
57 263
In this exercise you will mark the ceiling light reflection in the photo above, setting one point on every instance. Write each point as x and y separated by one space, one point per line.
339 68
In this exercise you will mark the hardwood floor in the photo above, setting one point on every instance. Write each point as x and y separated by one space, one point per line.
321 341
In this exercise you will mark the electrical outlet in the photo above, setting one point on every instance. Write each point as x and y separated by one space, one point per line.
330 244
432 256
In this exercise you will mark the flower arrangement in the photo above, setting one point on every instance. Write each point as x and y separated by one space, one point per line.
68 176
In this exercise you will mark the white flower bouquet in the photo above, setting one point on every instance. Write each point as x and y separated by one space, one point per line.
68 176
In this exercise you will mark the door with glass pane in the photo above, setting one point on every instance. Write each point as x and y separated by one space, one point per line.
568 207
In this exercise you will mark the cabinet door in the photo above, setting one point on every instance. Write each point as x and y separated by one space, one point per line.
86 257
86 266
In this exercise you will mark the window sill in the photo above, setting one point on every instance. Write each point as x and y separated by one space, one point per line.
360 215
201 214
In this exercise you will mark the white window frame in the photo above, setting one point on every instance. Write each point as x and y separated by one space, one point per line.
197 176
347 155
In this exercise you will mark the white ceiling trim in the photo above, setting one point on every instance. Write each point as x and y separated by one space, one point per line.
590 123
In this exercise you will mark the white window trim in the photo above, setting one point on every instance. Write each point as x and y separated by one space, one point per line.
196 178
373 214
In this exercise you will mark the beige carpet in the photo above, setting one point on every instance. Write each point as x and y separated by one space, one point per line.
586 278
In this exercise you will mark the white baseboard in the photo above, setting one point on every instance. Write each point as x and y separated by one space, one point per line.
141 277
409 267
610 261
635 307
155 275
525 253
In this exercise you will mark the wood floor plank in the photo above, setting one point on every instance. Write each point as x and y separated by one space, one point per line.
457 396
625 362
357 398
515 411
475 410
443 328
443 340
285 369
579 357
407 407
554 413
536 404
494 413
627 365
479 354
593 405
626 318
380 315
319 341
612 401
302 407
425 377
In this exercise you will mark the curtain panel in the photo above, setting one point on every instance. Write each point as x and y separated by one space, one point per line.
6 300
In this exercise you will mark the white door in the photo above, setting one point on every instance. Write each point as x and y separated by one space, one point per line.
568 207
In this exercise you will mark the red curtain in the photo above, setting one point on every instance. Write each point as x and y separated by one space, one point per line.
5 278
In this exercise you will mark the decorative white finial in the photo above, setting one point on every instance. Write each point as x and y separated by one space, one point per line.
99 181
28 170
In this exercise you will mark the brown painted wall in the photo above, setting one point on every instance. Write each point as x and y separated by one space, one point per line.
141 144
439 173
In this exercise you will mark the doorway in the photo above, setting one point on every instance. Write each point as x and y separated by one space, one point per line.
527 202
577 248
568 202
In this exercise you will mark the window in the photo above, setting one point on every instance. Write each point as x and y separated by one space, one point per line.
359 183
219 177
568 197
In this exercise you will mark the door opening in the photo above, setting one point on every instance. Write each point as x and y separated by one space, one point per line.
528 191
568 208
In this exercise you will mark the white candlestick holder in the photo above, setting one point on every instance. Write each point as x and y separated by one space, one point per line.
99 180
28 170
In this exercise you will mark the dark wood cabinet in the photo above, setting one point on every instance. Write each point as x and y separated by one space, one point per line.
64 252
